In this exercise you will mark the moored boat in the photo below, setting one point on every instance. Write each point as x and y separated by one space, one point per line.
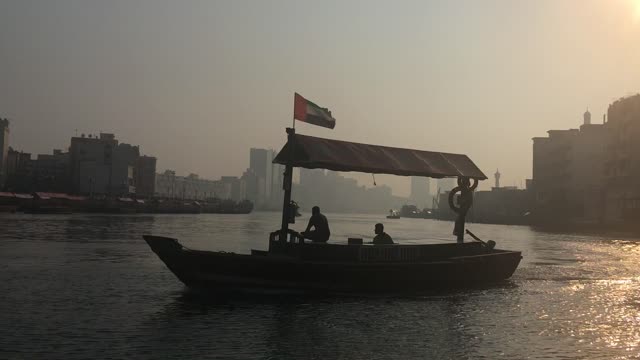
294 264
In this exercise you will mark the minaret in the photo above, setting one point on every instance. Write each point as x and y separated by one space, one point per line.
497 176
587 117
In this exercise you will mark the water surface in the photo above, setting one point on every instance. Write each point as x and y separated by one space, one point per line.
88 286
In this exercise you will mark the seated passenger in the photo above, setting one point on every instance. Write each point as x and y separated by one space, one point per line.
382 238
320 224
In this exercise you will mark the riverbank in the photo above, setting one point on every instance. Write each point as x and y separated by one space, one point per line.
60 203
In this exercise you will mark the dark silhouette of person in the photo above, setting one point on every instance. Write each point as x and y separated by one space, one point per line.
382 238
465 200
320 224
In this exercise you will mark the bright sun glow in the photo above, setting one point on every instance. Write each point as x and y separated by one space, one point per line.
636 4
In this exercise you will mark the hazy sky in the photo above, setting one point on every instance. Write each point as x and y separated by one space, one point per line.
197 83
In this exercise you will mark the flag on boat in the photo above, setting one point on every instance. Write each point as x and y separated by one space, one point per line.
306 111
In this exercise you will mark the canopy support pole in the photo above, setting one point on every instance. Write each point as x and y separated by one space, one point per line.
287 185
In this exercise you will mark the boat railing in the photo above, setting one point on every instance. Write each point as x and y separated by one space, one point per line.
389 253
293 237
293 245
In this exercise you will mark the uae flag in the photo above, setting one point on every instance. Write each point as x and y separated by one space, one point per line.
306 111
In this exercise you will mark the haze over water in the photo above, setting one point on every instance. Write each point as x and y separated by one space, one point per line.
198 83
88 286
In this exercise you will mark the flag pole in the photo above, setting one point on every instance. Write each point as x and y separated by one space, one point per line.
294 111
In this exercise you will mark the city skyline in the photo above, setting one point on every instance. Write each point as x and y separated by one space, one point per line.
363 179
440 76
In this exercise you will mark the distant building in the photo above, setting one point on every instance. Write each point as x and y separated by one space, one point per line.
446 184
145 173
333 192
501 205
567 174
50 172
277 177
102 165
125 158
91 164
260 167
4 149
235 187
252 189
18 163
190 187
265 190
311 177
263 179
622 161
420 192
18 171
166 184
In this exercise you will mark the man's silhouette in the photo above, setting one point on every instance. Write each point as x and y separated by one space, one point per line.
320 224
382 238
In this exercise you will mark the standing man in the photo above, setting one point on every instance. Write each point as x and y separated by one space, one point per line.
465 200
320 224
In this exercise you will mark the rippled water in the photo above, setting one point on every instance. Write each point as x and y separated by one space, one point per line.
87 286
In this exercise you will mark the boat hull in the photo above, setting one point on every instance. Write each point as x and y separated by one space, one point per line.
221 271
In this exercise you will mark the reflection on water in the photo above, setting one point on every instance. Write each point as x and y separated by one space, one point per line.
80 286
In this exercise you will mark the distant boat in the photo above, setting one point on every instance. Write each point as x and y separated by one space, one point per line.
293 264
412 211
393 215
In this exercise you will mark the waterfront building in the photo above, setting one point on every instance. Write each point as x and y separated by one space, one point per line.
446 184
264 178
102 165
50 172
333 192
277 176
420 195
4 149
91 158
125 159
260 167
47 173
567 181
622 160
252 189
500 205
145 176
18 163
234 185
18 171
191 187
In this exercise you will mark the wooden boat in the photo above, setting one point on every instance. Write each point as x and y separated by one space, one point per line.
297 266
293 264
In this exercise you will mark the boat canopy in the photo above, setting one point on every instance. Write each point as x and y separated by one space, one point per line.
317 153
